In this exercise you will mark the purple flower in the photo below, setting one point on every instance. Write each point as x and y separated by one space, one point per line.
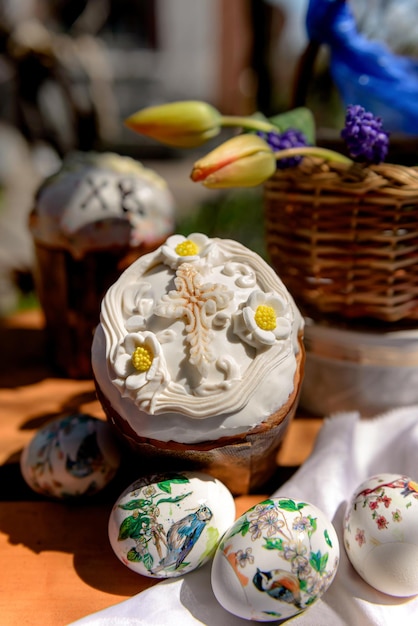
364 135
290 138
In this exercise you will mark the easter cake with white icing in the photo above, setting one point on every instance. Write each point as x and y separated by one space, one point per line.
198 358
90 220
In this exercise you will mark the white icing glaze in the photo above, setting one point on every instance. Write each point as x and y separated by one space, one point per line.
214 371
99 200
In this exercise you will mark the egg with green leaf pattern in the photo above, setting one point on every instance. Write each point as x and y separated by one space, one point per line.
275 561
166 525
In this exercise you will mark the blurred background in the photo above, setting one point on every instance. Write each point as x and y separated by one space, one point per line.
72 70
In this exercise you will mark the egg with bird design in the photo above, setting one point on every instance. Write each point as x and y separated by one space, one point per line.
279 584
165 525
182 536
275 561
71 456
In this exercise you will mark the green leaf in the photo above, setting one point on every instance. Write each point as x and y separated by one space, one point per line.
300 118
165 485
315 560
290 505
273 544
134 504
148 560
133 556
318 561
324 561
131 527
240 528
327 538
175 499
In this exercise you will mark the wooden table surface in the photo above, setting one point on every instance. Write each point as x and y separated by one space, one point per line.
56 562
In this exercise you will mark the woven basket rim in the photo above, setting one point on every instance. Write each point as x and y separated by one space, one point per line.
387 178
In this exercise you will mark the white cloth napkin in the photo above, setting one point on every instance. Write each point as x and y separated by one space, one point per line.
347 451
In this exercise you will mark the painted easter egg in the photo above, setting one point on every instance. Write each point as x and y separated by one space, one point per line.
169 524
74 455
381 533
275 561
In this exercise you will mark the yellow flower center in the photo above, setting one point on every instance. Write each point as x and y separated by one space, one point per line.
265 317
142 358
187 248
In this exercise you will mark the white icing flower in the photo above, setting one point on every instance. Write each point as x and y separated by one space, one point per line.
263 320
178 249
141 361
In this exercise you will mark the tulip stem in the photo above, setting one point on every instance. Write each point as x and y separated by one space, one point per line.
250 123
324 153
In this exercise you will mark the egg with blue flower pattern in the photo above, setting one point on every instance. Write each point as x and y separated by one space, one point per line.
166 525
275 561
72 456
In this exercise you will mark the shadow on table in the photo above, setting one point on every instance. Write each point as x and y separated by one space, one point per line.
76 527
79 530
23 356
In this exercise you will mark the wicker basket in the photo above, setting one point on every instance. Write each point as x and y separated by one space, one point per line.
345 239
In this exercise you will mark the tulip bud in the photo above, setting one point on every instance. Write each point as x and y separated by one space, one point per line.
184 124
243 161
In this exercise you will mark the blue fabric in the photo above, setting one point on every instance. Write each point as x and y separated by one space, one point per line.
366 72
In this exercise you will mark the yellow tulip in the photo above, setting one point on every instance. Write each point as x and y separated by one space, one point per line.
184 124
243 161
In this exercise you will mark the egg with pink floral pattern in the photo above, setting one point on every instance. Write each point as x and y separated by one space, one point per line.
381 533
